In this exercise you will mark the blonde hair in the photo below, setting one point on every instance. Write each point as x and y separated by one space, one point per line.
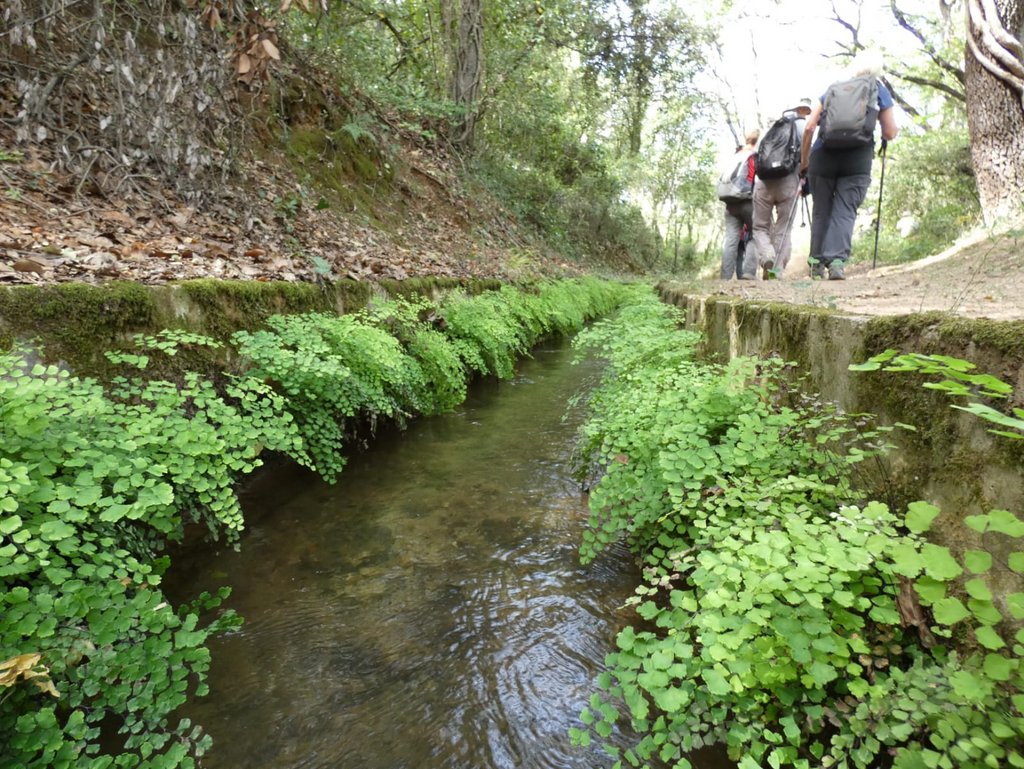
752 136
868 62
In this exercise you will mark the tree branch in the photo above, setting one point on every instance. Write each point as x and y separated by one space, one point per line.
928 48
937 85
898 98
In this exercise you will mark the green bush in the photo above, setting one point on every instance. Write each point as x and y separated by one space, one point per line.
780 615
929 177
92 484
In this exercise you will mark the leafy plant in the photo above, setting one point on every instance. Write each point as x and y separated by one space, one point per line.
96 479
958 381
780 614
92 483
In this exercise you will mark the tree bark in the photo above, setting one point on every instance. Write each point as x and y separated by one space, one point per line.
995 105
468 70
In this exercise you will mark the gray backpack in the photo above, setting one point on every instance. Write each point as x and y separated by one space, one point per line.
733 185
849 113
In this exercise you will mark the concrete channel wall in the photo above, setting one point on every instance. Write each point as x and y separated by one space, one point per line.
951 460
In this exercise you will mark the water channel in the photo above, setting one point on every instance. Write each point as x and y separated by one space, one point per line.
429 610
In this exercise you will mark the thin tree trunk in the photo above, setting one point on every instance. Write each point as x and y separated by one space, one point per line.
469 65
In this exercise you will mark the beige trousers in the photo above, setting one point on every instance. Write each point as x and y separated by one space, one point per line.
775 202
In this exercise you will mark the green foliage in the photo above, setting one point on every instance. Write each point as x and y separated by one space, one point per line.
958 381
774 604
94 481
929 178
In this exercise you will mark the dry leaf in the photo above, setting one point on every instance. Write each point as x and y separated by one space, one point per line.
244 63
27 667
271 50
28 265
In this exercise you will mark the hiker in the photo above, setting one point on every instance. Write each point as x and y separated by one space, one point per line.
839 164
777 189
735 189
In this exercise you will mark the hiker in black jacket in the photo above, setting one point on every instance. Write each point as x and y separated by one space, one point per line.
838 165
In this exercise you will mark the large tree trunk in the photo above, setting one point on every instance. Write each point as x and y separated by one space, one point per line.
468 69
994 76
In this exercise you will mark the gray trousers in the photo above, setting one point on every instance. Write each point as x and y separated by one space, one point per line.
735 217
836 199
775 202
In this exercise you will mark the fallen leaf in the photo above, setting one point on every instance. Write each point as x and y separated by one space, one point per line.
29 265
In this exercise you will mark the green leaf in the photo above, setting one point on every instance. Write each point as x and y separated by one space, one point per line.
1005 522
978 561
949 611
716 682
989 638
10 524
626 639
55 531
977 522
672 699
1015 603
939 564
875 362
976 588
930 590
920 516
822 673
1016 562
998 667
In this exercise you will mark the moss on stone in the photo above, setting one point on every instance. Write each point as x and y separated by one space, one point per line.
229 306
76 322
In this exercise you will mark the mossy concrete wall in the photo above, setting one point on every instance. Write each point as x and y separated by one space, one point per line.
75 323
950 460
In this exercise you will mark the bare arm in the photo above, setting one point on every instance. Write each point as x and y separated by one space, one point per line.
809 128
887 119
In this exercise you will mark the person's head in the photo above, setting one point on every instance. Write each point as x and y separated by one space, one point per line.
868 62
752 136
802 107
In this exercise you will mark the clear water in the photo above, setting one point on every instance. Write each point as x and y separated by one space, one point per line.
429 610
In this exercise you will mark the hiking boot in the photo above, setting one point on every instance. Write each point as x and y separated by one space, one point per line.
817 271
836 270
767 270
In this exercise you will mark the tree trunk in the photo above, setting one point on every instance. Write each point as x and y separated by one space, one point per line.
468 70
995 106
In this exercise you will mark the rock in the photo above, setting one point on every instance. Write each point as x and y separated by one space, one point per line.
100 261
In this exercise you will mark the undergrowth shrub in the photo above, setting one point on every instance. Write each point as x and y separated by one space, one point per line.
780 614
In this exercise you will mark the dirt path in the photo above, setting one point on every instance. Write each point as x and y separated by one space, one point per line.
980 278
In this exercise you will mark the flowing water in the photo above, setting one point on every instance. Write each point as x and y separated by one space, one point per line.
427 611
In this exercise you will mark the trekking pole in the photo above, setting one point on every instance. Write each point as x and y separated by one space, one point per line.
878 216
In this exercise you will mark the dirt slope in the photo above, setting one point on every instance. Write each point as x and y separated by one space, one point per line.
264 225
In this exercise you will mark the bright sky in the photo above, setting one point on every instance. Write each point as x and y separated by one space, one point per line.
777 52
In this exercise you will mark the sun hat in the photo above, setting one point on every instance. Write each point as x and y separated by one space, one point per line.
804 103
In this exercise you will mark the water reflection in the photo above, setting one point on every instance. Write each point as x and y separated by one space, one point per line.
429 610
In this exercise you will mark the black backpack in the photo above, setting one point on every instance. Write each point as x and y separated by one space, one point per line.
779 152
849 113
